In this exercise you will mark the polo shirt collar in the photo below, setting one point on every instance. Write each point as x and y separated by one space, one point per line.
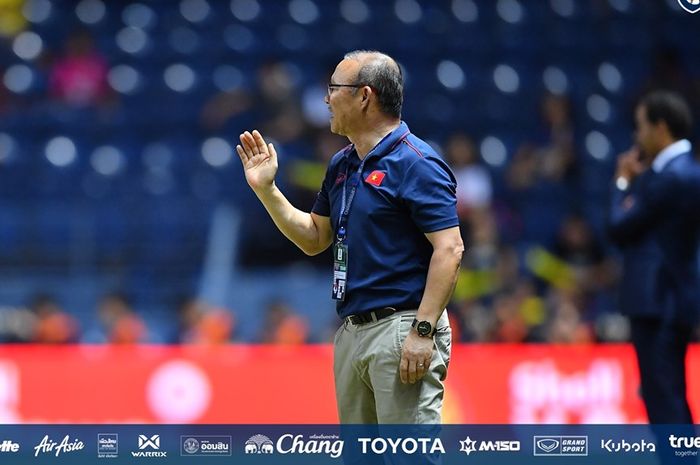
388 143
670 153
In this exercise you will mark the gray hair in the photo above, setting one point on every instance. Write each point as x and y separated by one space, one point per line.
381 72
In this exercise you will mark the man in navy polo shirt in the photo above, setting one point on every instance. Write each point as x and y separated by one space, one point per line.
387 206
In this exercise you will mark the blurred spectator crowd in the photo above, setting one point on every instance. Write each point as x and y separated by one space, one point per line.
117 122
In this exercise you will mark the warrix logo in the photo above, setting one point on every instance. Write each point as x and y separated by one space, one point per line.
146 442
153 442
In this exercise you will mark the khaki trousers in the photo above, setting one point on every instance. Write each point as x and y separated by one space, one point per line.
366 366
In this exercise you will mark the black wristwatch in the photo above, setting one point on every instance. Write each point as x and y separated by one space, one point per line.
423 328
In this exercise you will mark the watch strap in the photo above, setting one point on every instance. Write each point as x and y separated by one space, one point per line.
415 324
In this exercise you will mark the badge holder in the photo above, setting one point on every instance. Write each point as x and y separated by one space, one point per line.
340 266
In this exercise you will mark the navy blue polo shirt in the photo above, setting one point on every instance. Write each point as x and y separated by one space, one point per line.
407 190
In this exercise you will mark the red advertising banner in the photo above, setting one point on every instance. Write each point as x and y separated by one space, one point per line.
284 384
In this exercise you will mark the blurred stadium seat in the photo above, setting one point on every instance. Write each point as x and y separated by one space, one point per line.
123 188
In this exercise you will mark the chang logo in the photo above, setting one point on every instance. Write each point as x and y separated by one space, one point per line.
259 444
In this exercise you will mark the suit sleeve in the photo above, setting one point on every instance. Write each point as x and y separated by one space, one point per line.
634 213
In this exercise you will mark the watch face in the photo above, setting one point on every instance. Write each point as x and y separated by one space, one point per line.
424 328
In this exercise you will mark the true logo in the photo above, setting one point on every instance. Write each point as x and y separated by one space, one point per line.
689 445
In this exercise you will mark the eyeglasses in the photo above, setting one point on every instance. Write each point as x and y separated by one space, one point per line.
332 87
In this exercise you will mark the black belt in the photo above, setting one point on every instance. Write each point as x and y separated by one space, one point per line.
374 315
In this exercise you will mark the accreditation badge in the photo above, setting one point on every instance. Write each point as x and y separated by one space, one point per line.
340 270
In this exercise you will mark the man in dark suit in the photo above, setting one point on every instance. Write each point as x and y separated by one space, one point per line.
655 219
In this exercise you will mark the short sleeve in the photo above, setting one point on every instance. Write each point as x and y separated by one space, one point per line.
322 204
429 189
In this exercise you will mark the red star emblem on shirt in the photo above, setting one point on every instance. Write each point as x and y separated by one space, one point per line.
375 178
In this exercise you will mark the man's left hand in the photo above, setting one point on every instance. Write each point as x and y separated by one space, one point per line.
416 355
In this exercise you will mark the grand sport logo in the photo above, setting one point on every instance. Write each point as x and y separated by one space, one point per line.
623 446
469 445
401 445
197 446
149 447
684 446
560 445
47 446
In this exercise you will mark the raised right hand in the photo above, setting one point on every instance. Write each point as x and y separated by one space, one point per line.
259 160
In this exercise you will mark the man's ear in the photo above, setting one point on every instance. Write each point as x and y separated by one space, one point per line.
365 93
662 128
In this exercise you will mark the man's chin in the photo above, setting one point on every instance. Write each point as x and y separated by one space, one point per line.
334 128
